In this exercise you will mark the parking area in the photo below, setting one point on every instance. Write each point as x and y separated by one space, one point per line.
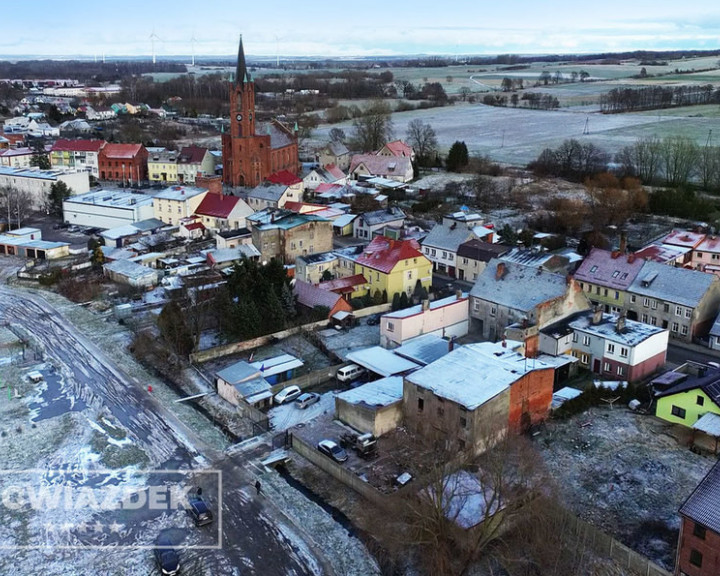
344 341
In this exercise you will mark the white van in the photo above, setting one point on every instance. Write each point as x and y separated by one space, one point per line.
349 373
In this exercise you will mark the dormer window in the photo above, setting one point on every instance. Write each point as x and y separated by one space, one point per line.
593 269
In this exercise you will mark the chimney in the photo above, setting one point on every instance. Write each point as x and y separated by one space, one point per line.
623 242
451 344
504 344
620 325
615 254
425 305
458 294
597 315
500 271
631 258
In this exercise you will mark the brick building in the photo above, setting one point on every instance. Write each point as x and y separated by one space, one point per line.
125 163
699 541
252 151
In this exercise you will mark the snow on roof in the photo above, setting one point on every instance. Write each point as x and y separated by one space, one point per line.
447 237
180 193
381 361
662 252
684 238
633 334
423 349
224 255
709 423
112 199
238 372
475 373
344 220
384 216
384 253
277 364
703 505
611 269
676 285
563 395
130 269
379 393
435 304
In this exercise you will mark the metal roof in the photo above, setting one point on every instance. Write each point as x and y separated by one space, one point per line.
703 505
381 361
670 284
379 393
709 423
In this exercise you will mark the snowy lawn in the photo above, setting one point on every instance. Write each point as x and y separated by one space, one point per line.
288 415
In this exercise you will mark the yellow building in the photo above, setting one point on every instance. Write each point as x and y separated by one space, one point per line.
394 266
163 166
177 202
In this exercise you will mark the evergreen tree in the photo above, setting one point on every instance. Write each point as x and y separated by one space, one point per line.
457 157
174 330
59 191
287 299
420 293
404 300
377 298
273 317
395 302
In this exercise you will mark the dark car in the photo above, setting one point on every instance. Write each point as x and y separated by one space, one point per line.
331 449
198 509
373 320
166 558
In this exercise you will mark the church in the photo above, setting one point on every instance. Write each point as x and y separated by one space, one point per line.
252 151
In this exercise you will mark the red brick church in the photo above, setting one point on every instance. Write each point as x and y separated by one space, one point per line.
251 152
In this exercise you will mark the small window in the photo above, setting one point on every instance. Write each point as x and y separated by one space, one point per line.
593 269
421 404
611 348
493 311
675 327
666 307
653 304
677 411
621 370
695 558
574 338
632 298
684 330
678 310
586 340
646 302
607 367
605 293
584 358
463 422
616 274
623 351
688 312
699 531
700 400
390 327
617 295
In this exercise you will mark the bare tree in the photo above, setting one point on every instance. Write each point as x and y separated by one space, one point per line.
16 203
423 139
678 156
374 128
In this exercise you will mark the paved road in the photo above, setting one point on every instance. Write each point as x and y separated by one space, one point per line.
253 539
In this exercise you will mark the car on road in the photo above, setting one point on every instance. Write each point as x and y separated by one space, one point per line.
166 558
287 394
73 229
332 450
373 319
199 511
307 399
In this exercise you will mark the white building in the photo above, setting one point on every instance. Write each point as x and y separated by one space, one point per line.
107 209
37 183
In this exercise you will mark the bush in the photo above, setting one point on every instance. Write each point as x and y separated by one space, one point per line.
357 303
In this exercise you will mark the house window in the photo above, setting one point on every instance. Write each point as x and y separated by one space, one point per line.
653 304
605 293
666 307
465 260
695 558
620 370
597 290
421 404
410 275
444 254
653 321
623 351
616 274
451 257
646 302
584 358
688 312
699 531
632 298
574 339
593 269
493 311
617 295
390 327
677 411
675 326
463 422
611 348
607 367
700 400
586 340
678 310
699 255
427 250
684 330
476 305
645 318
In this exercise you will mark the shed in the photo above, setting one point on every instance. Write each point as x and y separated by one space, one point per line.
374 407
563 395
706 432
278 368
243 382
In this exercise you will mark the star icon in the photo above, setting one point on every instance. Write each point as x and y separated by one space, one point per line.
82 527
98 527
115 527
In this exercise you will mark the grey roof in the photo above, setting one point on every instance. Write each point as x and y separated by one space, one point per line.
709 423
375 394
703 505
715 330
381 361
180 192
255 386
709 383
238 372
279 137
317 258
129 269
424 349
268 192
676 285
447 237
520 287
337 149
344 220
149 224
482 251
633 334
611 269
384 216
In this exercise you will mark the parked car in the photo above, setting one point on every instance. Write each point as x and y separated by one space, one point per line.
287 394
199 511
373 319
305 400
349 373
73 229
364 444
166 558
332 450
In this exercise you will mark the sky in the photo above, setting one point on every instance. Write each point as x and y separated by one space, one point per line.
370 28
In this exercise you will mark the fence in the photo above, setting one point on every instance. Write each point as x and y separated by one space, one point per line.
310 379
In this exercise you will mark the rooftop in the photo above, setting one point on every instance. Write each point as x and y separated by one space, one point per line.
312 296
121 151
129 269
703 505
684 238
482 251
112 198
676 285
375 394
277 364
381 361
192 155
447 237
434 305
424 349
284 177
179 192
708 382
382 165
633 334
611 269
384 216
383 253
217 205
63 145
238 372
662 253
268 192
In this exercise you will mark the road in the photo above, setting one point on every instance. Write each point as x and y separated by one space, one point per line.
253 538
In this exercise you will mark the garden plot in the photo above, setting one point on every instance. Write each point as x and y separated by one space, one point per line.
625 474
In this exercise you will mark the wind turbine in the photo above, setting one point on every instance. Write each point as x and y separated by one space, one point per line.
153 37
193 40
277 50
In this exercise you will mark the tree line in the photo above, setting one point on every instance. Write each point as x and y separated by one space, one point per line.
655 97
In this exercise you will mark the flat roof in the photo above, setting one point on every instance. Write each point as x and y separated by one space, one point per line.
375 394
424 349
277 364
381 361
112 198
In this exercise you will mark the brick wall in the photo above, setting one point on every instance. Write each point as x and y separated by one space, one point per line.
708 547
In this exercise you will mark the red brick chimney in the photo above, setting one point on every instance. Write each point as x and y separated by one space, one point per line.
212 183
500 271
623 242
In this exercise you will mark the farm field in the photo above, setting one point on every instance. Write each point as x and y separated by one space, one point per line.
516 136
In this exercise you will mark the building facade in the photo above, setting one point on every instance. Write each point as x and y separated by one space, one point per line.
123 163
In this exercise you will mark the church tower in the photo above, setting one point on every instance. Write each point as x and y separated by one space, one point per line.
250 157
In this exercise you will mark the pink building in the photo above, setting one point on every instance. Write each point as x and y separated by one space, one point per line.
447 317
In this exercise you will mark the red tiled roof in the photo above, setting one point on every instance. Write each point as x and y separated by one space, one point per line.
217 206
121 150
343 285
64 145
325 187
335 171
311 296
384 253
303 207
194 226
284 177
399 148
192 155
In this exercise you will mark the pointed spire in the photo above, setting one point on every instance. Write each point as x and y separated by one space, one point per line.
241 73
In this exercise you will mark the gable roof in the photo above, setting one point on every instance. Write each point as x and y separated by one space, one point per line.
399 148
447 237
63 145
709 383
217 206
611 269
384 253
284 177
482 251
376 217
122 151
192 155
268 192
343 285
311 296
337 148
703 505
516 286
676 285
382 165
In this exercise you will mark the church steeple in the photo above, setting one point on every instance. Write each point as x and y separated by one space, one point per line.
241 73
